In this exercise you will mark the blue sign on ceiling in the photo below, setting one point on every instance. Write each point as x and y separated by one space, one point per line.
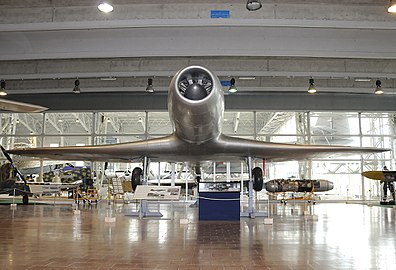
216 14
225 83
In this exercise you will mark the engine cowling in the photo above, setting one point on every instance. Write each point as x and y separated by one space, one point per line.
196 104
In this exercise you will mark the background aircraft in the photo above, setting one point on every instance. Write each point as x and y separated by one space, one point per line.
196 108
15 184
387 179
61 177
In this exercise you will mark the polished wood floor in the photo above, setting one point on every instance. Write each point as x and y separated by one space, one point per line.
345 236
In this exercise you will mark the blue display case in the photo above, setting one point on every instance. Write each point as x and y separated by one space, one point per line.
219 200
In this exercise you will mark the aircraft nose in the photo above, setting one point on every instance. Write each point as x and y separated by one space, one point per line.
195 91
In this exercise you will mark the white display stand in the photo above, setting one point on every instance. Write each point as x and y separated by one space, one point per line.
145 193
184 221
110 219
268 221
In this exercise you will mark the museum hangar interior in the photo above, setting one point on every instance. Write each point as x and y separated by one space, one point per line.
104 78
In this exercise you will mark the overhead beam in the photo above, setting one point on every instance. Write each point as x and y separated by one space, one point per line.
199 41
272 101
171 23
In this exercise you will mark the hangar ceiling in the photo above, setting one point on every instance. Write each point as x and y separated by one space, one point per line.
272 53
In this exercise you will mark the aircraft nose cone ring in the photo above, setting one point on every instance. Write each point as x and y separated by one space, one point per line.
195 91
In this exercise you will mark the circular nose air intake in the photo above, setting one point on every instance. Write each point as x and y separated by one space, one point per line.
195 91
195 83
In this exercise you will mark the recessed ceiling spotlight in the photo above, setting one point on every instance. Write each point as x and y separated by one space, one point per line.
311 88
392 6
378 90
105 6
149 87
3 88
76 89
232 88
253 5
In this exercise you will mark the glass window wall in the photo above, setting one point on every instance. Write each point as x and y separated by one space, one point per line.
121 123
334 123
21 123
57 141
68 123
238 123
159 123
378 124
326 128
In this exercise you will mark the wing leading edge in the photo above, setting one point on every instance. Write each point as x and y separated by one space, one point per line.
283 152
123 152
171 148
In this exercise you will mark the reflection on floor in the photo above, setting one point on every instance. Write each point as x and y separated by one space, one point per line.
345 236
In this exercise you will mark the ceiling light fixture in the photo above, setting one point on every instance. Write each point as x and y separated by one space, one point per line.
232 88
378 90
150 88
253 5
3 88
311 88
247 78
105 6
362 80
76 89
392 6
108 79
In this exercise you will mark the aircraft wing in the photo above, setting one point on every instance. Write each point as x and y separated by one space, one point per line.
283 152
123 152
171 148
16 106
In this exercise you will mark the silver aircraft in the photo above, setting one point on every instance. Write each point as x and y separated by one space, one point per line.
196 108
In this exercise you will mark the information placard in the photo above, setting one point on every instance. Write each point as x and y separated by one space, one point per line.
156 193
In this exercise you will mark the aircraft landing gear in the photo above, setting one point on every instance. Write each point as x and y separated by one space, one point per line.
136 177
258 182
